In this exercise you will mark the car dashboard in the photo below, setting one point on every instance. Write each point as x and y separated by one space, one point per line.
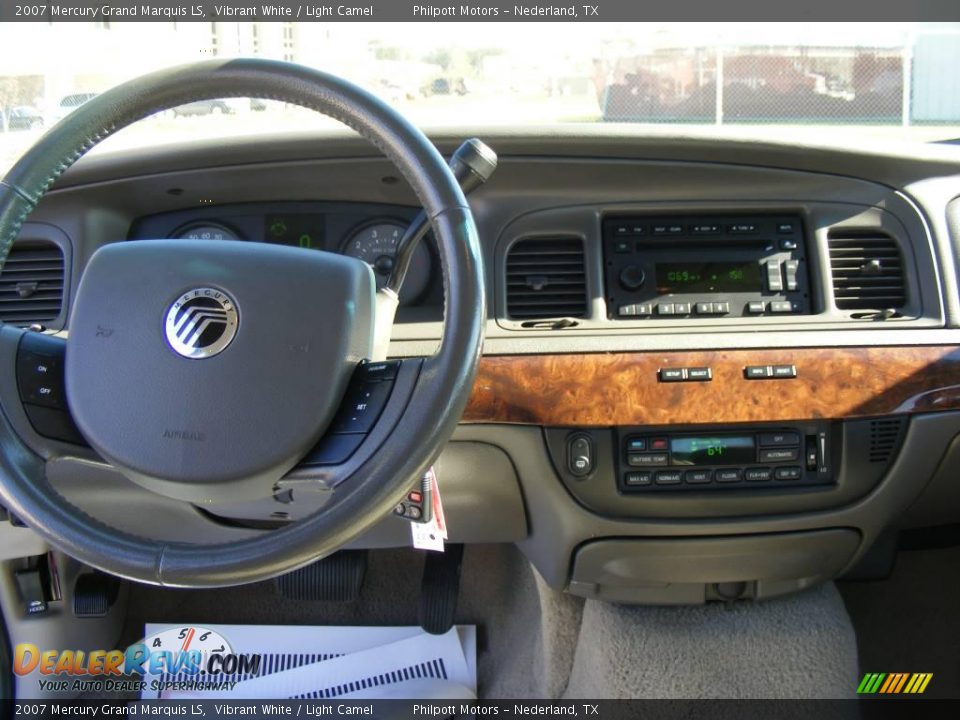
711 367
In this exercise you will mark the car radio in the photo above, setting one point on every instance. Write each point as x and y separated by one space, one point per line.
705 266
716 460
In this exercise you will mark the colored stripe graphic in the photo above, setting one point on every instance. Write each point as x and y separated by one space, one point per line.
894 683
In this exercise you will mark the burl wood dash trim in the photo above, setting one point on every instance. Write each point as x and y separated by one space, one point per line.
604 389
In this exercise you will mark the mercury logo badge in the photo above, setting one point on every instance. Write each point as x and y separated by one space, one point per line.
201 323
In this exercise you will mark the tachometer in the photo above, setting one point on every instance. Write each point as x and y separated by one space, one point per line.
205 231
376 244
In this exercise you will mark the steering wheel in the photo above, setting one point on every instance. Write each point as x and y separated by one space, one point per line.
205 371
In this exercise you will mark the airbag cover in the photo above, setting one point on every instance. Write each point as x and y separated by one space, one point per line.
201 425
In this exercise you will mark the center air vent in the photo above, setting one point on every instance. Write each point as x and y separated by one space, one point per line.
867 270
546 279
31 284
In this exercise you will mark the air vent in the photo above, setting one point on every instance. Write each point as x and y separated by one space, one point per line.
546 279
31 284
867 271
885 434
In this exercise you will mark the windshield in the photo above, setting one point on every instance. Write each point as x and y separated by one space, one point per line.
825 83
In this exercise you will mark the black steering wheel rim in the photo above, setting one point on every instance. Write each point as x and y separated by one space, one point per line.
436 403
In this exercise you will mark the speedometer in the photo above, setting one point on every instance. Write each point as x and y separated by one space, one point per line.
205 231
376 244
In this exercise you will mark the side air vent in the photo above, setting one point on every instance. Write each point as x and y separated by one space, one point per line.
546 279
31 284
885 435
867 270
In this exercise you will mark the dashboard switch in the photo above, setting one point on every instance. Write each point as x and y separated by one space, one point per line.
580 455
790 268
774 276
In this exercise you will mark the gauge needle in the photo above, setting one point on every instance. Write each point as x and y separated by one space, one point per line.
186 641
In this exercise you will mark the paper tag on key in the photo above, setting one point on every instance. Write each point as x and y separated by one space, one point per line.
430 535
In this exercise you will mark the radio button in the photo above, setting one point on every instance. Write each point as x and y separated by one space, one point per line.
785 228
755 307
647 459
681 308
644 309
790 268
638 478
705 308
787 473
779 439
781 306
757 474
773 455
788 245
721 308
727 475
708 229
672 375
784 371
669 477
701 374
741 228
627 310
632 277
666 309
623 246
774 278
697 477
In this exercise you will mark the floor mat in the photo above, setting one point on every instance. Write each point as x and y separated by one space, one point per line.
911 621
801 646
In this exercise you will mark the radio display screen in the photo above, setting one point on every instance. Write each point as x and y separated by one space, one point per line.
721 450
708 277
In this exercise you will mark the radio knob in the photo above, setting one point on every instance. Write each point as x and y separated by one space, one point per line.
632 277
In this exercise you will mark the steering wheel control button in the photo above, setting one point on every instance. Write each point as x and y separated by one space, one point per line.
334 449
376 371
362 406
580 455
201 323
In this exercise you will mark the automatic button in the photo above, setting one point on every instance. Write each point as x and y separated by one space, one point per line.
772 455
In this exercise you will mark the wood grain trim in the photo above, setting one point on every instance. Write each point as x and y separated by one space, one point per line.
597 390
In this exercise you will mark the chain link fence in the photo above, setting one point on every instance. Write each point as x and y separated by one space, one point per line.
786 85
